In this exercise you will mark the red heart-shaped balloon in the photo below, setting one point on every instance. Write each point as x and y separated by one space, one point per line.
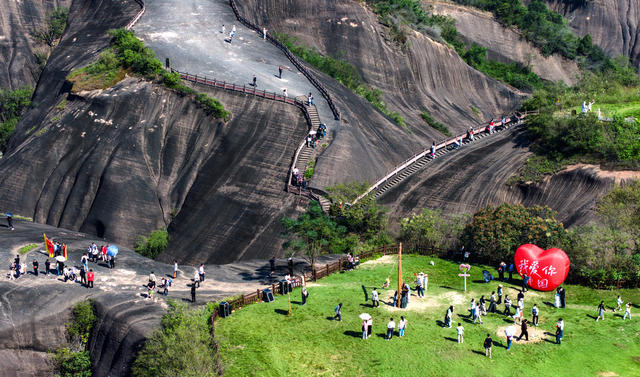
546 269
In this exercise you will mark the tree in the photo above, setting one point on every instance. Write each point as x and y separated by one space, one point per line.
495 233
431 229
56 23
314 233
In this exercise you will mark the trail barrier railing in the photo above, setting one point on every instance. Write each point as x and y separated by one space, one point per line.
443 144
294 60
143 8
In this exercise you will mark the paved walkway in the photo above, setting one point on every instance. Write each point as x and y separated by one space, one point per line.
188 32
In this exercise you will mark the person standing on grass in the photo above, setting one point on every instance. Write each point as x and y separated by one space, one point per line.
535 313
460 331
559 331
488 343
35 267
401 326
507 305
499 294
472 308
419 286
448 316
601 310
391 326
90 278
563 302
305 294
525 283
627 312
619 303
374 298
492 302
369 326
509 332
338 310
501 268
365 330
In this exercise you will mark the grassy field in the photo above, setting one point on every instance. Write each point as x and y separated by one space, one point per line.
261 340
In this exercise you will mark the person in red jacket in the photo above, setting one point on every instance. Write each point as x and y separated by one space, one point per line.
90 277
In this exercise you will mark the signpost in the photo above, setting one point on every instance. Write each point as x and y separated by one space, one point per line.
464 268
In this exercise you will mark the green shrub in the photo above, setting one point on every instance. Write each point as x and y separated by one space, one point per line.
495 233
432 229
308 173
183 347
13 103
153 245
212 106
72 364
56 22
435 124
83 320
536 168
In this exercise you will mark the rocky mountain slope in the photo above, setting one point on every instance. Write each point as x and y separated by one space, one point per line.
612 24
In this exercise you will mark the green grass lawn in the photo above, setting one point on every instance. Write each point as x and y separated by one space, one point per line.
261 340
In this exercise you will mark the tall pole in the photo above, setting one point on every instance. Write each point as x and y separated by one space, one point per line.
399 274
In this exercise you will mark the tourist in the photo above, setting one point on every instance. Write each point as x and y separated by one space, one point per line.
488 343
401 326
224 29
90 278
255 79
152 280
305 294
619 303
196 277
448 316
280 72
627 312
309 99
563 302
507 305
264 33
35 267
482 309
374 298
338 310
460 331
419 285
65 273
112 261
47 266
193 292
556 301
509 332
10 222
501 268
525 283
395 299
472 308
524 330
290 265
83 276
391 326
499 294
84 260
535 314
365 329
272 261
601 310
201 272
512 268
59 267
521 304
284 93
492 302
433 150
559 331
369 326
175 269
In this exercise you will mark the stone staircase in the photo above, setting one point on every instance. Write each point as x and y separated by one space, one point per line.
424 161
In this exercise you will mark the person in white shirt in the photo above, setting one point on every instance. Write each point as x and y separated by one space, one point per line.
460 331
401 326
619 303
374 298
627 313
175 268
201 272
390 327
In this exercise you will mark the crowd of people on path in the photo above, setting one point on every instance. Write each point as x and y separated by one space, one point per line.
82 274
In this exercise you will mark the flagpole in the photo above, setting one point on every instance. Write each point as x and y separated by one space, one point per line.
399 274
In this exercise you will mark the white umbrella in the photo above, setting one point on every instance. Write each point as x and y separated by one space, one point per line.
61 258
365 316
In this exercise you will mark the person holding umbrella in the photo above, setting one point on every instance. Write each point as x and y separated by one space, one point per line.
9 220
112 251
365 317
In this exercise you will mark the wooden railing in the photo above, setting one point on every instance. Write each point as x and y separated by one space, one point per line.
143 8
296 62
411 160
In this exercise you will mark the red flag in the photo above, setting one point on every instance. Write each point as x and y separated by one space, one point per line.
64 251
49 245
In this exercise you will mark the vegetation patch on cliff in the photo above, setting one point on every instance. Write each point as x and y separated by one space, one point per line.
154 244
343 71
73 359
13 103
129 55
